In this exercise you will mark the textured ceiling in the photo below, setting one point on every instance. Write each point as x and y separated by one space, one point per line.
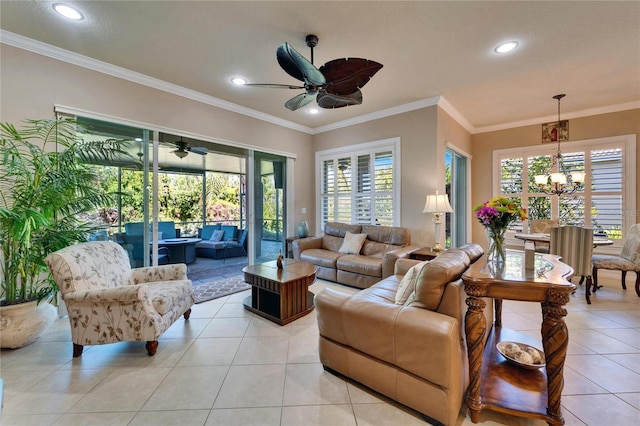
588 50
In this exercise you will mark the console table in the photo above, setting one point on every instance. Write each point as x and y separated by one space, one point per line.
424 253
494 383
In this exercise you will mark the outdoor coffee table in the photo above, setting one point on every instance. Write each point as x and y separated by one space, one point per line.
280 295
181 250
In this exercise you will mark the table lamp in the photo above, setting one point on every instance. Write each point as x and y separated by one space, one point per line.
437 204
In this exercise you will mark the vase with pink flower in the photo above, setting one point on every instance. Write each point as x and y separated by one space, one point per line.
496 215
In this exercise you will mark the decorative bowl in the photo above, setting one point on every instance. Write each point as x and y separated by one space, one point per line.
523 346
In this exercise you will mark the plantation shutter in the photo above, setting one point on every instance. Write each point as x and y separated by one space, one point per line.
358 187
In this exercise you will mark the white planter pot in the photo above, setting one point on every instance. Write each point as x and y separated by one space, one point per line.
22 324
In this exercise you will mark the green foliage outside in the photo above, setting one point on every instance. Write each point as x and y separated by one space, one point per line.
179 198
571 208
272 210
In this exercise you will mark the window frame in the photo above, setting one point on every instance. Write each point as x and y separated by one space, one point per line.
626 142
354 151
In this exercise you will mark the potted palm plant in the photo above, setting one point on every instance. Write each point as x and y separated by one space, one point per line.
47 187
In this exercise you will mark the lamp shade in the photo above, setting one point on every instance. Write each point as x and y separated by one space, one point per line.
438 203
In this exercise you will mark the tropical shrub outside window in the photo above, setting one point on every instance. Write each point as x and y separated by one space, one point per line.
599 205
179 198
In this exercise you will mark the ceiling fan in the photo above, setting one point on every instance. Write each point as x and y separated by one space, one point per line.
335 85
183 149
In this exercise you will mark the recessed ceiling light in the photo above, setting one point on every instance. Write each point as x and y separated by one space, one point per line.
506 47
313 110
238 81
68 11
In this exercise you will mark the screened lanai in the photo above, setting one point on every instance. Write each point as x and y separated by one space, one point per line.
199 186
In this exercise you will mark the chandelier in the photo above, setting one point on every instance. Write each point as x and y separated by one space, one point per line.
560 181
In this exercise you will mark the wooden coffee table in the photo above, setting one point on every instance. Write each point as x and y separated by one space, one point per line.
280 295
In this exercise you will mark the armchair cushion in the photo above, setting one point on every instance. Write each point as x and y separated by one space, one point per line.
230 232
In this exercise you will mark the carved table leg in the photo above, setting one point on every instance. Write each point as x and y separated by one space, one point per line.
497 316
475 329
555 339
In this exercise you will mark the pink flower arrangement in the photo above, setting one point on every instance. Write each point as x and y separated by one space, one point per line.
497 213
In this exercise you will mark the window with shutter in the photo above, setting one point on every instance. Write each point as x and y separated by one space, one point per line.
359 186
610 167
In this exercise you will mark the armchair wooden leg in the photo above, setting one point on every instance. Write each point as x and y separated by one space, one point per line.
594 274
77 350
624 277
187 314
152 347
638 283
587 290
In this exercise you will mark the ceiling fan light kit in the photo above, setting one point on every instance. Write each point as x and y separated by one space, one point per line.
336 84
183 149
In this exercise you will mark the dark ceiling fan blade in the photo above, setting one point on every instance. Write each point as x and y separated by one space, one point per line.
200 150
330 101
301 100
345 76
275 86
297 66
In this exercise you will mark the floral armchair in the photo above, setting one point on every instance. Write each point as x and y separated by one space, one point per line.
109 302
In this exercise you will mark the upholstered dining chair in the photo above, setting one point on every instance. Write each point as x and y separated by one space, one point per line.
109 302
629 259
542 226
575 245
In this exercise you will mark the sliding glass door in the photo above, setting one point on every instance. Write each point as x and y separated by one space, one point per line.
456 166
269 206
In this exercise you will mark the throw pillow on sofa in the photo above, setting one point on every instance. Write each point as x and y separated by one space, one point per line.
217 235
407 285
352 243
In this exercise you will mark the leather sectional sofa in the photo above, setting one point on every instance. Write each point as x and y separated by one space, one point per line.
414 353
374 261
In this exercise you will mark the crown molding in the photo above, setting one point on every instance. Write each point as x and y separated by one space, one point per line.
57 53
547 118
449 109
423 103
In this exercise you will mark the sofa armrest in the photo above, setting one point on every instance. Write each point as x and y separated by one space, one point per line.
303 244
149 274
403 266
123 294
390 258
329 304
425 339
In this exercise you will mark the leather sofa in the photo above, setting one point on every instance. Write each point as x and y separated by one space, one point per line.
375 260
413 353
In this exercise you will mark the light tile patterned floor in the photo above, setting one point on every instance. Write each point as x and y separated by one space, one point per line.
229 367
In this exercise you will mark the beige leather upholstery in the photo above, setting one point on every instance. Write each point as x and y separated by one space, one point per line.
377 258
413 355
